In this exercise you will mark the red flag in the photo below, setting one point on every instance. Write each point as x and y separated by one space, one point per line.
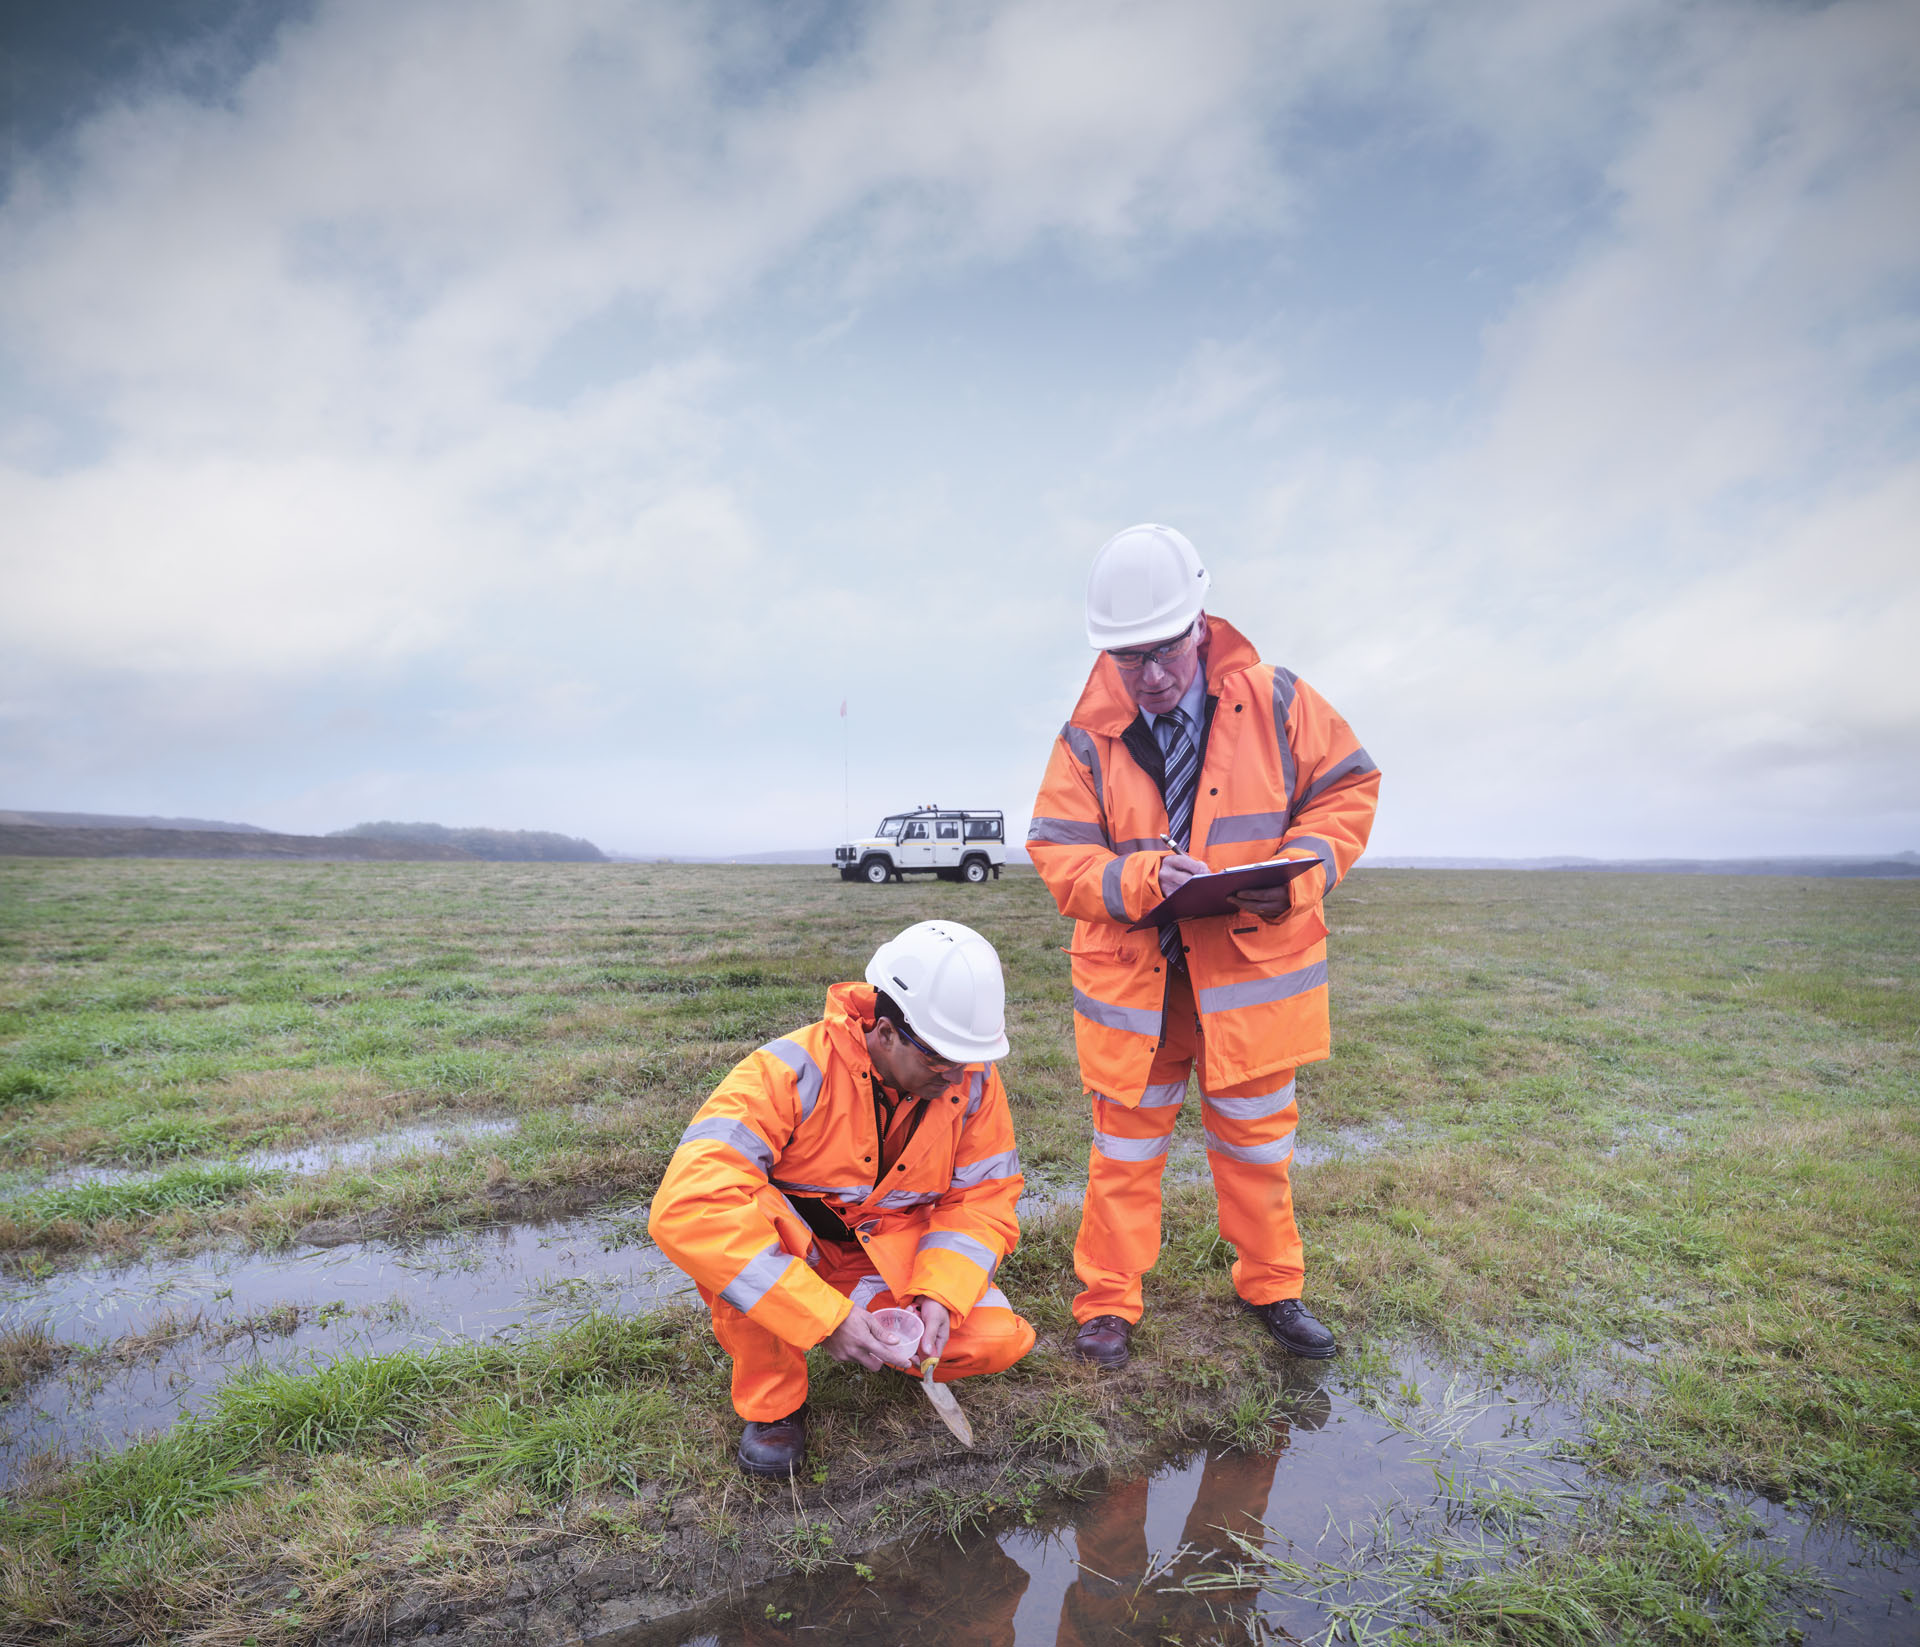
843 708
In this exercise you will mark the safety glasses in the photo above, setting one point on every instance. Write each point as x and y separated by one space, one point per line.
1133 659
941 1065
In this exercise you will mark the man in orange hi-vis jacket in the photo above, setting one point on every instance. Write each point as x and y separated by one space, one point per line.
865 1162
1186 753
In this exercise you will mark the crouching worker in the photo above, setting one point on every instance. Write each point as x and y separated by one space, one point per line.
865 1162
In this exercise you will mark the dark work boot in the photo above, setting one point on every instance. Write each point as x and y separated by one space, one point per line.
1295 1329
774 1448
1104 1341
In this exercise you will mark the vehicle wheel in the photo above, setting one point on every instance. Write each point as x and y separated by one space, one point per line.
974 870
877 871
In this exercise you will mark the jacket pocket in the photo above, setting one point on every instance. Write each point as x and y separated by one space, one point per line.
1105 942
1258 942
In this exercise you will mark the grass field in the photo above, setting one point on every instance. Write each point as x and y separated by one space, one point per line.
1675 1113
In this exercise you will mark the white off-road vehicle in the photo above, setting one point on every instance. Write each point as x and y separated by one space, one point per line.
932 840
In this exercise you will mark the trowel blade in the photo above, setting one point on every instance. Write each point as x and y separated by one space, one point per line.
948 1408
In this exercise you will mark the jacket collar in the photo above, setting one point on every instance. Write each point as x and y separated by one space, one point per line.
849 1016
1107 707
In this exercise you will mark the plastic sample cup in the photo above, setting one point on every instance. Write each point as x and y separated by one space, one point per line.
901 1329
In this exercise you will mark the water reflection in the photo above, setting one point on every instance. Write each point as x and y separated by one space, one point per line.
1111 1572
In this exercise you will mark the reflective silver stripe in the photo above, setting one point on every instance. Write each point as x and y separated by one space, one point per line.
1110 889
1004 1165
976 1092
1146 843
1163 1095
757 1278
866 1290
1250 1109
736 1135
1066 832
1259 991
1321 849
1283 682
993 1299
1255 1155
1356 765
975 1252
1131 1149
1138 1019
846 1192
907 1198
1080 741
1247 826
800 1061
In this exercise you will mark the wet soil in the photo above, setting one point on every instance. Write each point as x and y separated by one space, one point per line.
1149 1557
145 1343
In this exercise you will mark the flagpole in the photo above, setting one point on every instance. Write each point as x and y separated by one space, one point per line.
846 775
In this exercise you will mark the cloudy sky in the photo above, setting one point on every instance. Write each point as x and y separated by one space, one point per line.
545 415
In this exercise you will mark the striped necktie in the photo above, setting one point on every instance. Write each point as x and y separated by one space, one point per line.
1183 772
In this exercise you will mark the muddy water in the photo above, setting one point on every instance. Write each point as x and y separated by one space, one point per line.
432 1137
1149 1559
208 1317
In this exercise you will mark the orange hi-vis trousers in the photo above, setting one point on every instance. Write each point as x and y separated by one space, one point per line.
770 1375
1249 1133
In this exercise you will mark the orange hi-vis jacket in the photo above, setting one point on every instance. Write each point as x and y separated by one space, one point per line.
1281 775
794 1120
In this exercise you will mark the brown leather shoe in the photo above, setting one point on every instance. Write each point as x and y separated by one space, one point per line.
1104 1341
774 1448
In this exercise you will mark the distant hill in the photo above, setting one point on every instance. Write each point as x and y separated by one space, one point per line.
113 820
43 841
499 845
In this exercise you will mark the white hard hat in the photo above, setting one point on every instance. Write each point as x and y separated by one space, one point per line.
1147 585
947 980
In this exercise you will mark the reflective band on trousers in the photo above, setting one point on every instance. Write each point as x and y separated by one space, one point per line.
757 1278
1066 832
1250 1109
1162 1095
1140 1020
736 1135
1004 1165
866 1290
800 1061
1247 826
1258 991
1255 1155
1131 1149
975 1252
993 1299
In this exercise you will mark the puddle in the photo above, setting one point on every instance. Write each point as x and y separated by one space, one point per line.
1149 1559
217 1313
305 1161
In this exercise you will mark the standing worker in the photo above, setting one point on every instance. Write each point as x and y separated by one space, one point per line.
1184 753
865 1162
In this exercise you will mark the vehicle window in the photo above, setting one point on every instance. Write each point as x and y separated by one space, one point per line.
915 832
949 829
889 829
983 829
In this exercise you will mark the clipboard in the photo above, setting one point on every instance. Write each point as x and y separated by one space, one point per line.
1212 893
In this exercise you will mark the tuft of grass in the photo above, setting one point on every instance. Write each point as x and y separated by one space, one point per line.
1066 1424
595 1437
182 1187
157 1138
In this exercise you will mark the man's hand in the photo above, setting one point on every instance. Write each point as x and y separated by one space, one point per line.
858 1339
935 1325
1268 902
1176 870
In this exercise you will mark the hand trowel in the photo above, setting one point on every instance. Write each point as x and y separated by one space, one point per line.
944 1403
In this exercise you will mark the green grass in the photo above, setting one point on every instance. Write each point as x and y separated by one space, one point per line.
1678 1112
